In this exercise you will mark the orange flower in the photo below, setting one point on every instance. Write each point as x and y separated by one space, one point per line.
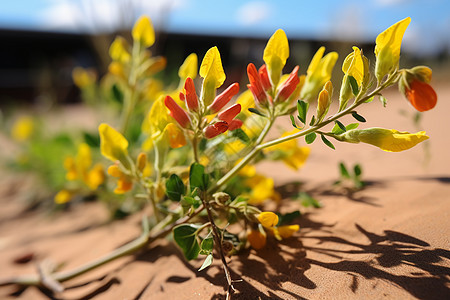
177 112
421 95
223 98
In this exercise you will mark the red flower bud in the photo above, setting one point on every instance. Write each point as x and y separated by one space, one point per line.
215 129
229 114
265 77
256 84
289 86
421 95
191 95
177 112
235 124
223 98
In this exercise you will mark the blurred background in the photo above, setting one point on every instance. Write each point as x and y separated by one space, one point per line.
43 40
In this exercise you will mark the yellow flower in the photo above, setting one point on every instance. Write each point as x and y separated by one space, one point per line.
116 69
268 219
62 197
22 129
293 155
389 140
354 66
124 182
256 239
246 101
318 73
157 119
275 55
79 168
387 49
83 77
213 75
143 32
95 177
118 50
262 188
113 144
189 67
175 136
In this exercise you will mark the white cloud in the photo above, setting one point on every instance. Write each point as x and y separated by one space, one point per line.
253 12
102 15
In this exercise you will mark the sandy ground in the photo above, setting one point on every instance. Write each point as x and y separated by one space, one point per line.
388 241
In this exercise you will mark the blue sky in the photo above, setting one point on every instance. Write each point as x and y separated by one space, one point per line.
345 19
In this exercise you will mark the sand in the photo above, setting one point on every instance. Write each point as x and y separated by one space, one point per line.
387 241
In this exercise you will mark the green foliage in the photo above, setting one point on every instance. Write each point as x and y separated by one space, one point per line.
353 176
174 188
197 177
185 236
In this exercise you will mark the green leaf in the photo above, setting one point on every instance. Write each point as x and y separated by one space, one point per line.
284 219
207 245
174 188
336 129
310 137
93 140
343 170
240 134
313 120
354 85
307 200
327 142
293 122
369 100
255 111
302 109
116 93
352 126
383 101
341 126
358 117
198 178
191 201
357 169
185 236
208 261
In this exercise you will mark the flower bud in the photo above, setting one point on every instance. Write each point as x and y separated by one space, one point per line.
255 84
235 124
413 84
177 112
223 98
265 77
288 87
324 101
141 161
229 114
346 93
215 129
191 95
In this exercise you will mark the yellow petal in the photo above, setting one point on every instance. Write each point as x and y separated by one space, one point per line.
143 32
256 239
141 161
95 177
175 136
392 37
353 65
71 167
22 129
389 140
114 171
118 50
262 188
268 219
387 48
189 67
157 119
83 77
315 61
113 144
124 184
62 197
84 158
211 69
287 230
275 55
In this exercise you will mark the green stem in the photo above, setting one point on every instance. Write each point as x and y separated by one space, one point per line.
260 147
